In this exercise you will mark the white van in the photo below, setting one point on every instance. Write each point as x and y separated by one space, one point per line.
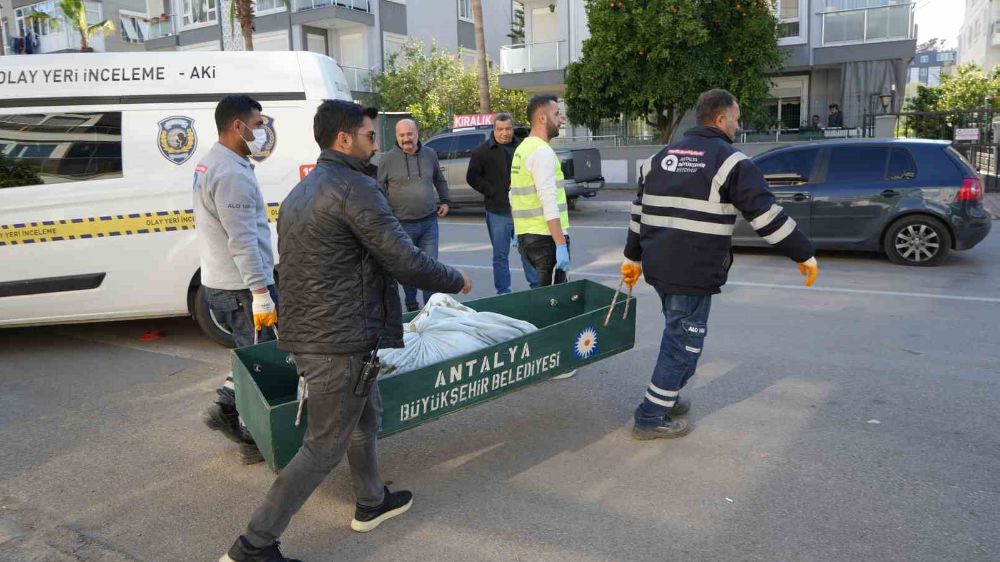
97 158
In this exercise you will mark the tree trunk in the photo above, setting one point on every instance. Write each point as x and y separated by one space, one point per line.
667 124
244 13
84 44
484 78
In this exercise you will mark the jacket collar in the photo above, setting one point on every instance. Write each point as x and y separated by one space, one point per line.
224 152
341 159
707 132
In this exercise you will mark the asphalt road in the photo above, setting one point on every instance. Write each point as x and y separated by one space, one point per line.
856 420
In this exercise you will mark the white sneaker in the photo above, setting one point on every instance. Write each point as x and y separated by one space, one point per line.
564 375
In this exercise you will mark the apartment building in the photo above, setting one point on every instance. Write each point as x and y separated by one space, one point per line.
846 52
979 37
27 36
927 68
359 34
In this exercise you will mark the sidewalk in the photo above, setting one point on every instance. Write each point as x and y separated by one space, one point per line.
992 203
620 200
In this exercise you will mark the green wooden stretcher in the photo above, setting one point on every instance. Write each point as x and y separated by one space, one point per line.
571 333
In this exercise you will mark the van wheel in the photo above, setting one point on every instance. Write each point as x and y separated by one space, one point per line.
207 322
917 240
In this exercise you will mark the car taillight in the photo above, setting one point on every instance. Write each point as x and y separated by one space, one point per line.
971 190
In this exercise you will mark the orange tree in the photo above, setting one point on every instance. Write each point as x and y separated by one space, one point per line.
653 57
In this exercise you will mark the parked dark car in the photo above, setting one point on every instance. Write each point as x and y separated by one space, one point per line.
581 166
914 200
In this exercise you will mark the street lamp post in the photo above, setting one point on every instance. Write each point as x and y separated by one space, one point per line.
3 31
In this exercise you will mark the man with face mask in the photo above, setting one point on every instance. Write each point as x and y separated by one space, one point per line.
680 235
341 251
538 195
237 264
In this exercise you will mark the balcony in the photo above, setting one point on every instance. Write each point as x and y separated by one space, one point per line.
161 26
358 79
848 22
66 39
533 57
360 5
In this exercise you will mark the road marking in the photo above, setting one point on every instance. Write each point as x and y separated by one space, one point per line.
871 292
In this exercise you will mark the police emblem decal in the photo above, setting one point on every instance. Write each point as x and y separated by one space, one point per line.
177 139
586 343
272 140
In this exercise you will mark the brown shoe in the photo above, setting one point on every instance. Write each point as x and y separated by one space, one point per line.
669 429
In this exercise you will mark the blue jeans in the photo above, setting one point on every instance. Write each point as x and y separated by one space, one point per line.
234 311
501 229
424 234
686 319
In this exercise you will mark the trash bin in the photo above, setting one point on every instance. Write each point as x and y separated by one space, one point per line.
571 334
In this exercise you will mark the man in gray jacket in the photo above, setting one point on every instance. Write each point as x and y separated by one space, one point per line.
411 178
237 264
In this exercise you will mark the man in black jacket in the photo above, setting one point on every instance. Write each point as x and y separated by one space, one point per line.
489 174
341 251
681 230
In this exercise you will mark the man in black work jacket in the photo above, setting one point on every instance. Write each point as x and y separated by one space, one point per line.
680 236
489 174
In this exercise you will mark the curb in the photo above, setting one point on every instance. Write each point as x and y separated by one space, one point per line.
605 206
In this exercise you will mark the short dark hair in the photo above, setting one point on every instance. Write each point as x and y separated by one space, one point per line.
712 103
233 107
833 105
538 102
502 117
336 116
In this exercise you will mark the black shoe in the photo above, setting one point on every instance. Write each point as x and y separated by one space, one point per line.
412 307
250 454
669 429
681 407
224 419
242 551
395 503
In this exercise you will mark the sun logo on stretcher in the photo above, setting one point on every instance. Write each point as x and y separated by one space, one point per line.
586 343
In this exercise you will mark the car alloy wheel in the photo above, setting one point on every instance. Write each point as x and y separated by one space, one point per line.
917 243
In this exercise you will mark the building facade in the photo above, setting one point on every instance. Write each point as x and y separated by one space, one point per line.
927 68
846 52
359 34
979 37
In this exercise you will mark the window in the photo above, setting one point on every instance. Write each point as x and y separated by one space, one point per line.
856 164
24 25
200 12
923 75
465 10
901 165
787 12
269 6
785 113
464 144
76 146
132 27
925 58
442 147
392 44
797 162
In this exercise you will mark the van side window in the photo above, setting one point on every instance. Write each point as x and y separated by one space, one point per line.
857 164
47 148
901 165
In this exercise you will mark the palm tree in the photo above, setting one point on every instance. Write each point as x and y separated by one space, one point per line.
75 12
484 80
242 11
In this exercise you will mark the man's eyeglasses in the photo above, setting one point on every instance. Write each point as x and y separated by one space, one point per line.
369 134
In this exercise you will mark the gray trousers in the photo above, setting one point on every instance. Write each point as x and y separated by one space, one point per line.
339 422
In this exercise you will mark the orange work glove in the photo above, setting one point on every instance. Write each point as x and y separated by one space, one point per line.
631 271
264 313
810 269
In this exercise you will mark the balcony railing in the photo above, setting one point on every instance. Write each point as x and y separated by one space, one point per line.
533 57
358 79
162 26
867 21
360 5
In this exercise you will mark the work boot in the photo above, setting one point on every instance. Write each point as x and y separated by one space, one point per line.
224 419
669 429
250 454
393 504
243 551
681 407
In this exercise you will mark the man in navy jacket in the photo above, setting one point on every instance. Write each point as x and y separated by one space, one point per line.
680 236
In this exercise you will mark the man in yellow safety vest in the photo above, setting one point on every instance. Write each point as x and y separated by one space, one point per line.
538 196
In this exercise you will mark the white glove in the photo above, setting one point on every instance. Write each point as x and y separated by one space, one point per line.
264 314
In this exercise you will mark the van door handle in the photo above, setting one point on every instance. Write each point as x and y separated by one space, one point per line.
890 193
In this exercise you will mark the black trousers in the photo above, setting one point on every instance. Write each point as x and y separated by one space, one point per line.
540 251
